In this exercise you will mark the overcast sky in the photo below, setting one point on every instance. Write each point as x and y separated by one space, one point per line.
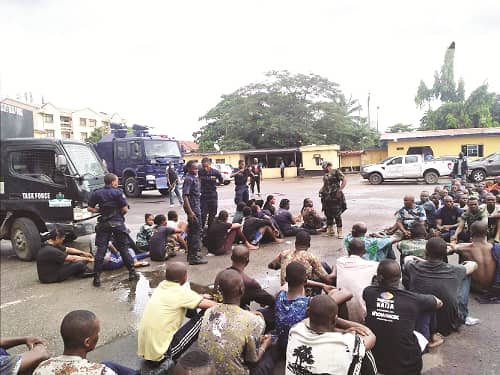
166 63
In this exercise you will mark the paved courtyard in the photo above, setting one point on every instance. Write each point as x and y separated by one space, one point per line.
27 307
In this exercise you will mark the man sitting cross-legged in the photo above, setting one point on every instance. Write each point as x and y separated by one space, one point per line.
291 305
377 247
161 333
317 346
233 337
392 314
256 229
80 333
221 235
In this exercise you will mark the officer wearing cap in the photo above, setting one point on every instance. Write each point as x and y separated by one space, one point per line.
111 204
208 183
241 175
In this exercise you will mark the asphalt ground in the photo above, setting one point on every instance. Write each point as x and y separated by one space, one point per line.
30 308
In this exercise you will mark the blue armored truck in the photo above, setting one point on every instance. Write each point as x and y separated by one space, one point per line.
139 159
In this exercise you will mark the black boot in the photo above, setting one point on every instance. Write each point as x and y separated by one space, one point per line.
97 280
195 261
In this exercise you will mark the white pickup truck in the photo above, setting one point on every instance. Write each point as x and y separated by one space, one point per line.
407 167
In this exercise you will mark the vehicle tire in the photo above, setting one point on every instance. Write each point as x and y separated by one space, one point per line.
25 238
431 178
164 192
477 175
375 178
131 188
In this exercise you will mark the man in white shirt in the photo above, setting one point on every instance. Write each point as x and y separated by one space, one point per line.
354 274
315 346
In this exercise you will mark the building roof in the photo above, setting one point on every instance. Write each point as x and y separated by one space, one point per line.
189 146
352 153
394 137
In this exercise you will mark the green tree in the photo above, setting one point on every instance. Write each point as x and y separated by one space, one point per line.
400 127
97 134
285 110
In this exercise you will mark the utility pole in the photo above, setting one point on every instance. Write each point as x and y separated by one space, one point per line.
369 122
377 117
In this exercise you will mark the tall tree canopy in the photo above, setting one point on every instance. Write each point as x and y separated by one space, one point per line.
285 110
480 109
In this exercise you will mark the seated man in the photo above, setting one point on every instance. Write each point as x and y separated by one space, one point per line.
443 280
159 239
238 214
377 247
113 259
195 362
447 218
480 252
253 290
313 222
160 332
233 337
429 208
56 263
26 361
314 269
407 215
285 220
256 229
493 211
221 235
355 274
316 346
415 245
291 305
392 315
177 241
80 333
471 214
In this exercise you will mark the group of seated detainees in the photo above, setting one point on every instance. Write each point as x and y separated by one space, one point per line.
366 313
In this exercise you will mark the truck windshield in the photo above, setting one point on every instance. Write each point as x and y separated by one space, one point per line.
161 149
84 160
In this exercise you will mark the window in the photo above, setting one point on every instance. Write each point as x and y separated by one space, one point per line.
411 159
473 150
105 124
220 161
35 164
83 136
48 119
92 123
400 148
121 150
83 122
50 133
396 161
134 150
65 122
66 135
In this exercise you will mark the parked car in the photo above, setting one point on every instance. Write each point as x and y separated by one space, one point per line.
407 167
225 170
485 167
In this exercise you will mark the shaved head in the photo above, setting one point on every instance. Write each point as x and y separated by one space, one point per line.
388 272
176 272
76 327
230 284
356 247
240 255
359 229
322 311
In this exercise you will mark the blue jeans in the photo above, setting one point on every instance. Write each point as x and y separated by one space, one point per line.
119 369
176 192
463 298
426 324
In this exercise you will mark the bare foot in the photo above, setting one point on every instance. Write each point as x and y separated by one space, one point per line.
279 240
251 247
436 340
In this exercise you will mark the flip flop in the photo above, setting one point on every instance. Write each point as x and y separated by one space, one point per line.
141 264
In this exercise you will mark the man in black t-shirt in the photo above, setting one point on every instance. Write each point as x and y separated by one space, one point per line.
391 315
450 283
447 218
159 239
255 229
221 235
56 263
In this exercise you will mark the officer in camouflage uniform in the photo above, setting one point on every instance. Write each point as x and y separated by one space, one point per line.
332 198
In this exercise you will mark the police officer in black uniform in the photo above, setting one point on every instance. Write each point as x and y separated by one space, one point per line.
111 203
208 183
191 194
241 175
